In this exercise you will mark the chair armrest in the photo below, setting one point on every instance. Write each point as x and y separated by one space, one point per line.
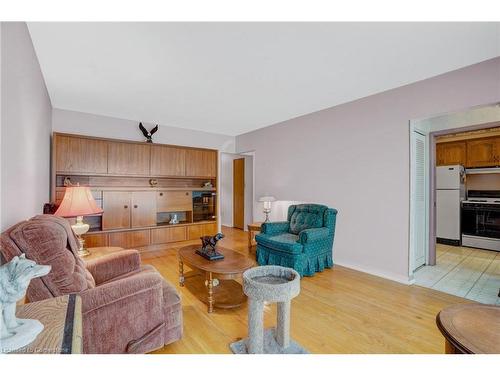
275 227
112 265
121 315
313 234
131 288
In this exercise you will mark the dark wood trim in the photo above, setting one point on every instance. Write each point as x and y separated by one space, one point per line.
67 343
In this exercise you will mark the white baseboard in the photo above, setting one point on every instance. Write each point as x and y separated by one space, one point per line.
394 277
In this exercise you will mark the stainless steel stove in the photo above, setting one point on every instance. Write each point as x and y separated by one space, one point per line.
480 219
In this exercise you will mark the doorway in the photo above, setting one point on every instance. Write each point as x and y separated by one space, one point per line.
236 189
239 193
450 267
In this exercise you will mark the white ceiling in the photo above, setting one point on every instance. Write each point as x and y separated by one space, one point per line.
232 78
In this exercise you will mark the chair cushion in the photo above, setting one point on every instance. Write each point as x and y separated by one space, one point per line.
286 242
306 216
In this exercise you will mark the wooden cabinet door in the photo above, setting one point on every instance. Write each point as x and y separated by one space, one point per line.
201 163
95 240
168 161
143 209
451 153
210 229
166 235
171 201
128 158
80 155
129 239
116 206
194 232
481 152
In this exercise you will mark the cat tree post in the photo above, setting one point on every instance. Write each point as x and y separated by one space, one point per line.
270 284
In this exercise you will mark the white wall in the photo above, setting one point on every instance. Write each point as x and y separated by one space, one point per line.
226 188
26 128
355 157
109 127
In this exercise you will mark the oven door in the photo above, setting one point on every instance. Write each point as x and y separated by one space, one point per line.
481 220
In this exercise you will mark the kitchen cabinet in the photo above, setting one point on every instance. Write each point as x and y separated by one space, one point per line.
451 153
128 158
484 152
174 201
80 155
168 161
202 163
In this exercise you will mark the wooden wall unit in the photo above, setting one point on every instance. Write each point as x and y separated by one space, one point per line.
138 185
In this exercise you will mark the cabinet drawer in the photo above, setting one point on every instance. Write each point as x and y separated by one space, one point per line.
171 201
166 235
129 239
96 240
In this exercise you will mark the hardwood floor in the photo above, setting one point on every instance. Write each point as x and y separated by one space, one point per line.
338 311
465 272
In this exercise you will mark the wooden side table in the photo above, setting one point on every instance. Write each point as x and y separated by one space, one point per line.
252 230
62 325
471 328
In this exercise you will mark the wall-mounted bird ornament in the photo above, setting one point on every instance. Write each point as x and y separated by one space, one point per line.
148 134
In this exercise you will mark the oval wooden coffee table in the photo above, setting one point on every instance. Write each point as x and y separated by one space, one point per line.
228 293
470 328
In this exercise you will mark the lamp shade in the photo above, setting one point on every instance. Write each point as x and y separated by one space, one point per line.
78 201
267 198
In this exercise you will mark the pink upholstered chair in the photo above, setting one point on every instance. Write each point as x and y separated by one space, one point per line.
127 307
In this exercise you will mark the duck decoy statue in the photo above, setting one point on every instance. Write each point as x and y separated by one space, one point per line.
148 134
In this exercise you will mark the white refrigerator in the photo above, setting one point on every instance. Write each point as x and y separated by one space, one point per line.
450 191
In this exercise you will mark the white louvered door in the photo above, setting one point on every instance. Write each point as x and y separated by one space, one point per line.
419 210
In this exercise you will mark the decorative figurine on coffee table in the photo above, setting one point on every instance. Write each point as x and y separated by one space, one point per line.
208 249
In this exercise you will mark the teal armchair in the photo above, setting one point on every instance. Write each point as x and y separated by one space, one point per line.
304 242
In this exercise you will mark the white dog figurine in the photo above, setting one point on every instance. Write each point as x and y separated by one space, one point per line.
15 277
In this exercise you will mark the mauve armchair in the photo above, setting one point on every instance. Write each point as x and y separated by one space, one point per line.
127 307
304 242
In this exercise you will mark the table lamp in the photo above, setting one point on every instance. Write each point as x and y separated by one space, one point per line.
267 199
77 202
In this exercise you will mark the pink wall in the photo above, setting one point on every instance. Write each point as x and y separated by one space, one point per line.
355 157
26 128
